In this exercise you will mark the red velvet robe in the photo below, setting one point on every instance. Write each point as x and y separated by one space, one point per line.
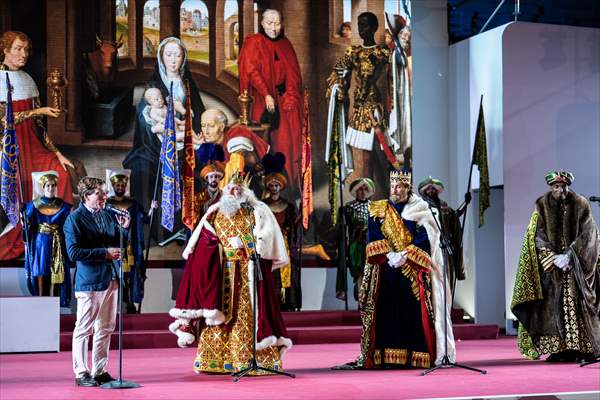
264 64
201 287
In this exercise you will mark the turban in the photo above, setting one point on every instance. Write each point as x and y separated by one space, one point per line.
559 176
360 182
431 182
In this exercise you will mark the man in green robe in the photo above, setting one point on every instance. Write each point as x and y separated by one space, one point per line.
556 296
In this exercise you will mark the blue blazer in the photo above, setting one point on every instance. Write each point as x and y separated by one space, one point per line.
86 246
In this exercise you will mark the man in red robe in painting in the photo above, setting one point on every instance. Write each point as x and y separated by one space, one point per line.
270 72
38 153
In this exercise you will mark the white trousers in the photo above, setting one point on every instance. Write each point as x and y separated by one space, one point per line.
96 313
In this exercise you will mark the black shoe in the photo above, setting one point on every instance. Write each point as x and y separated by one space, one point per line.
103 378
563 356
86 380
586 358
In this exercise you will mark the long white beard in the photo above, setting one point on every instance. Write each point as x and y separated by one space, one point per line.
229 204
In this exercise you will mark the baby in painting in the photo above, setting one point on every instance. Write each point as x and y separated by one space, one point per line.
156 111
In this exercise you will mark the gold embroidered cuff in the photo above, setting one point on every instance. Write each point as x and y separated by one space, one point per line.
546 258
378 247
418 256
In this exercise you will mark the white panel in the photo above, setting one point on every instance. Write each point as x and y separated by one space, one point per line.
29 324
318 290
158 289
551 120
430 90
475 66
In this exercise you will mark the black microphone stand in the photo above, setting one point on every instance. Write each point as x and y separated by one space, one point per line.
253 363
120 383
447 252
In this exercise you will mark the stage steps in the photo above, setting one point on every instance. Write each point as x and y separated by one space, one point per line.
143 331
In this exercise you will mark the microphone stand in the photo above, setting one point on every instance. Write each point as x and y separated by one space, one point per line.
257 273
447 252
120 383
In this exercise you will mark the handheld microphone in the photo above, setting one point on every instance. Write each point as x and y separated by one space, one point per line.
116 211
246 205
595 198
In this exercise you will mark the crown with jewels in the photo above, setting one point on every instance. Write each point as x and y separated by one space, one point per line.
404 177
240 178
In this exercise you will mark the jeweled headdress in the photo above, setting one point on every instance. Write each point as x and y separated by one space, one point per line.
559 176
240 178
115 176
404 177
39 179
51 176
119 178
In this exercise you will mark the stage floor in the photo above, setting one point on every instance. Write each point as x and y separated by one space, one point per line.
167 374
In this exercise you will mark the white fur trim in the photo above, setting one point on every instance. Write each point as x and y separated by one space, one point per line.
213 317
191 245
418 210
23 85
184 339
186 314
239 143
269 341
269 239
173 326
283 343
359 139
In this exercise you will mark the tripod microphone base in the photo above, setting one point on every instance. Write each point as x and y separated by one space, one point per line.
253 366
120 385
446 363
583 364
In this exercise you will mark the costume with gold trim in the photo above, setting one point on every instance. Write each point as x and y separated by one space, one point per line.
134 266
287 278
38 153
402 309
396 303
47 254
559 310
369 65
214 297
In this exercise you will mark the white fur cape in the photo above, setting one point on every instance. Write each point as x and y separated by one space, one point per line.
418 210
23 86
270 244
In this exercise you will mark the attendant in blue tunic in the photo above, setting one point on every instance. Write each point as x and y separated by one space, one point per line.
46 263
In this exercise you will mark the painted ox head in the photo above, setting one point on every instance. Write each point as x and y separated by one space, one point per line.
103 60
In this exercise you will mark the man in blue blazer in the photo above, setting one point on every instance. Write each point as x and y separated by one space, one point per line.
92 238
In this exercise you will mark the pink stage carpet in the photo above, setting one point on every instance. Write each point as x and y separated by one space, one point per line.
167 374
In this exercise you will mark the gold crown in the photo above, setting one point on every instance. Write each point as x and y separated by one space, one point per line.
241 178
46 178
119 178
402 177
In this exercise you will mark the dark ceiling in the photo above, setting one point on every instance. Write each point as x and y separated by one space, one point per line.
467 17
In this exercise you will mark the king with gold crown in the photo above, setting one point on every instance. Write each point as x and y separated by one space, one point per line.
214 302
401 295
